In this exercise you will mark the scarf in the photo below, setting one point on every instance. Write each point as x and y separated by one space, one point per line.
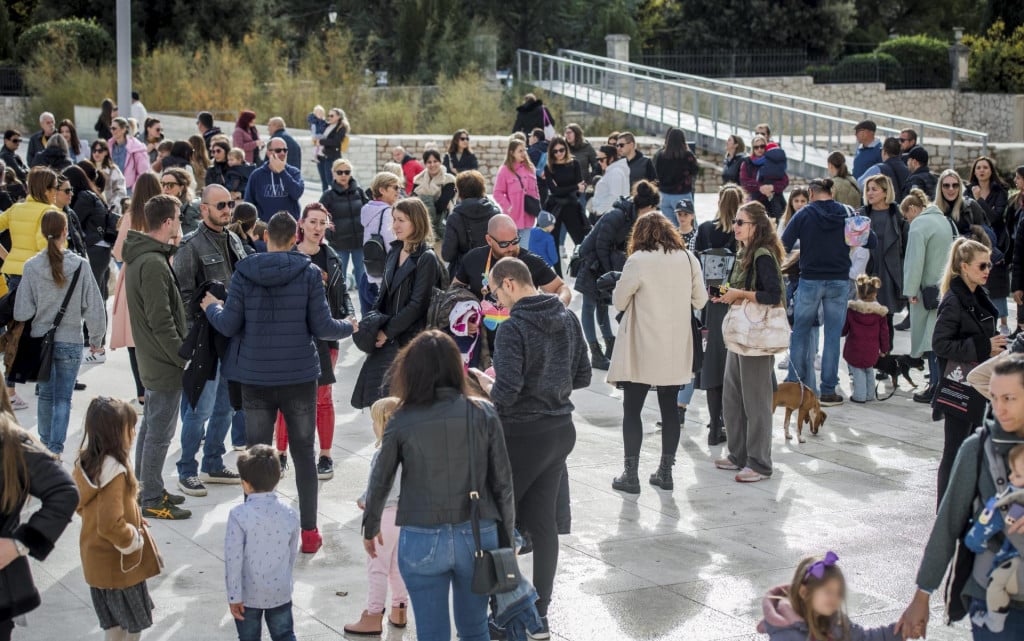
426 185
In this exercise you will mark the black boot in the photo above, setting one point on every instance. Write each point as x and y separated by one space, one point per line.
629 482
925 396
663 477
717 434
597 358
609 345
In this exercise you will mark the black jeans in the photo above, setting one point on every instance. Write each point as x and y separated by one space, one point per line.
140 390
634 395
714 396
537 451
298 405
957 432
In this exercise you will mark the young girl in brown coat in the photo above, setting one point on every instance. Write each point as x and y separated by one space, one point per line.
118 553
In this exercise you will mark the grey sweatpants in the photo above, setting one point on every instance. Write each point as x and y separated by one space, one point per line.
747 409
155 433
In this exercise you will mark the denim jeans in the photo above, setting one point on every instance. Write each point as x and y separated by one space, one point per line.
279 623
214 411
1014 628
367 293
685 394
863 381
592 308
155 432
668 205
436 560
831 295
323 169
238 429
54 409
356 256
298 405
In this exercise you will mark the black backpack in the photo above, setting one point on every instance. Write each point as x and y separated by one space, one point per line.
375 252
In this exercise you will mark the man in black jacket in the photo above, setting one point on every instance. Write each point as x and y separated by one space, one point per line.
276 128
920 176
540 357
640 166
12 138
207 254
39 139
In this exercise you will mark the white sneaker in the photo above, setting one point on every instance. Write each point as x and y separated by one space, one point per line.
1004 330
93 358
783 363
18 403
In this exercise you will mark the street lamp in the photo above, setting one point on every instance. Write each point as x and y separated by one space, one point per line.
332 15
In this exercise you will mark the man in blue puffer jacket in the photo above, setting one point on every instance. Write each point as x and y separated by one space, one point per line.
275 307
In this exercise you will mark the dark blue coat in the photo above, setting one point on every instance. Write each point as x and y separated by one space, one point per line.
275 307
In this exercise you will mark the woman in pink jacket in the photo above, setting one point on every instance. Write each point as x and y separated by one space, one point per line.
517 179
127 152
246 138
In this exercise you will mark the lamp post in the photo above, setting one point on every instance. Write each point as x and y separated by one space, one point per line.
124 57
332 15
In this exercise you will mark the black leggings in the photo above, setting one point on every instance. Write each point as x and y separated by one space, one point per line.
892 329
632 425
714 396
537 451
957 432
140 391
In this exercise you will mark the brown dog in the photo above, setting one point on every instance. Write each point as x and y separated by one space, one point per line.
795 396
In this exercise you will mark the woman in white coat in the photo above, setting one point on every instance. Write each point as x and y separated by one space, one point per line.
661 285
613 184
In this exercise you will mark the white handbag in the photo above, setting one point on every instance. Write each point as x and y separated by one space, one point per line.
753 329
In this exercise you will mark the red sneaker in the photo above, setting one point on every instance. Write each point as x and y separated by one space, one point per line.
311 541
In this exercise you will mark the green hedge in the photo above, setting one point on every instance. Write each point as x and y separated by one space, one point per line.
927 58
996 63
92 44
861 67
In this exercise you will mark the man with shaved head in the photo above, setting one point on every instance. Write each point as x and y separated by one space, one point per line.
207 254
277 129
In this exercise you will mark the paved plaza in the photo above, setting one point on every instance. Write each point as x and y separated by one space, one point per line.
690 564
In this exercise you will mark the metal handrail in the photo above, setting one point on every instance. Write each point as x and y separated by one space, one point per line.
775 96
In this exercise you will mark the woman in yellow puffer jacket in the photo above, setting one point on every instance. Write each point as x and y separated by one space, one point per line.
23 219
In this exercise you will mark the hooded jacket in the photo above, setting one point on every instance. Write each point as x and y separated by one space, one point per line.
274 309
466 229
540 357
530 116
820 229
273 192
345 205
782 623
155 309
604 248
866 332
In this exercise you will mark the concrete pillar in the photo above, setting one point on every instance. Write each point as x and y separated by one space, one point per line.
958 54
617 47
124 58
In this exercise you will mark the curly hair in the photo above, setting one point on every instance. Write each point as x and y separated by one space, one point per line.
652 232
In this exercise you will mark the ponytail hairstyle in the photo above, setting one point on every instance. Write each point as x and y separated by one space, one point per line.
867 287
964 250
53 226
916 198
730 197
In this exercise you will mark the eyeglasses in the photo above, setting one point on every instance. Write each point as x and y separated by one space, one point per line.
739 223
464 138
395 187
984 266
504 244
229 204
904 139
620 145
67 190
278 150
343 172
760 147
559 150
16 141
170 184
99 150
950 185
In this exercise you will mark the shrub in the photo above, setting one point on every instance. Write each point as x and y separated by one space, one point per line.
57 82
92 44
924 59
861 67
467 101
996 63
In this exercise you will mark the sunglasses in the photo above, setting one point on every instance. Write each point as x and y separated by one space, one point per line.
343 172
620 145
67 190
760 147
504 244
99 150
740 223
904 139
984 266
168 185
224 204
466 138
281 150
950 185
16 141
559 150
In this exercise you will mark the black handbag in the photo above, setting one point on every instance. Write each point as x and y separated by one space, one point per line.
46 345
18 593
494 571
531 205
930 297
955 398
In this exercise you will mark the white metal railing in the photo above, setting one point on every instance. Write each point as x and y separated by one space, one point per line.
713 109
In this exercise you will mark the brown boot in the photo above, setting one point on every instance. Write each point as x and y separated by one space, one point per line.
368 625
398 616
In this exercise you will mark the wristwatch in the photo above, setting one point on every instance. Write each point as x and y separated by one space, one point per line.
20 547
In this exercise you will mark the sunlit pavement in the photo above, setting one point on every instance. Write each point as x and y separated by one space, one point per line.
690 564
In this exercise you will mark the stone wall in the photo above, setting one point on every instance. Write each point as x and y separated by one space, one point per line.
1000 115
12 112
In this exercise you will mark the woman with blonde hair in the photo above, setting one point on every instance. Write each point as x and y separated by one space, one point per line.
515 181
956 205
377 219
887 255
965 333
200 160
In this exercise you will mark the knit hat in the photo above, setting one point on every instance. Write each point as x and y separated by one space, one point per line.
919 154
684 207
545 219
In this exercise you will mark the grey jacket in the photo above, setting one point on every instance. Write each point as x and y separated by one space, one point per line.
39 299
206 255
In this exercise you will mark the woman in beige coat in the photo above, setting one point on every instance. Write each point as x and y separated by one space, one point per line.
660 287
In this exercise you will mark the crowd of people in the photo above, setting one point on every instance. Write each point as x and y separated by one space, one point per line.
232 299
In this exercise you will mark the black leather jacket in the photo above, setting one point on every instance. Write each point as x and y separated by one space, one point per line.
405 291
337 290
432 445
201 258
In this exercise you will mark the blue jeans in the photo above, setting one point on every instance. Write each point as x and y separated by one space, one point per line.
213 410
685 394
238 429
54 409
434 560
279 623
863 381
1014 624
356 255
668 205
592 308
831 295
323 169
367 293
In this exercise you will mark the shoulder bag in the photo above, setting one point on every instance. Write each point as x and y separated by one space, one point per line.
955 398
375 253
46 346
494 571
755 329
531 205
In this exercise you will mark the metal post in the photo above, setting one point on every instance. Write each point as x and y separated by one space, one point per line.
952 140
519 64
124 56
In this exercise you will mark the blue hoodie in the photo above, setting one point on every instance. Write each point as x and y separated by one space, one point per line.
820 228
275 307
272 192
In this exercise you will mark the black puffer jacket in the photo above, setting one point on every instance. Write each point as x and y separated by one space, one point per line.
432 444
345 205
15 162
464 162
216 174
92 213
922 179
966 321
604 248
466 229
53 158
731 169
530 116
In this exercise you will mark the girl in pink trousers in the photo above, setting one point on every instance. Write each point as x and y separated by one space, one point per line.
382 570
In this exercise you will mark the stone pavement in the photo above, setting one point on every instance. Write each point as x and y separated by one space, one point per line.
690 564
